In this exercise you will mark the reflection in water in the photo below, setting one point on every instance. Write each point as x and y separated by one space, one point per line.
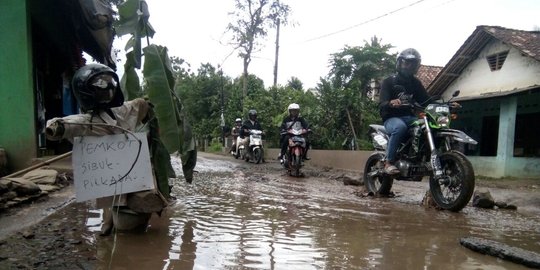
187 250
223 221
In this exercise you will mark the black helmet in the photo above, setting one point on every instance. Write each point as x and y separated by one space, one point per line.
96 86
411 56
252 114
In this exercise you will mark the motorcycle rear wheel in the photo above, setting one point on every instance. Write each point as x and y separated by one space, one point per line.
455 190
242 153
377 183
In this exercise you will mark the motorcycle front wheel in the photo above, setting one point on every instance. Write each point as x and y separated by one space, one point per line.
454 190
257 155
374 180
297 164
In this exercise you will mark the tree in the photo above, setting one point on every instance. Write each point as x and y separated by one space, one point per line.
201 93
345 91
355 67
295 84
252 19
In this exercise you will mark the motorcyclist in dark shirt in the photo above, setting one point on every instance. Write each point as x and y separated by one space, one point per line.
249 124
293 120
394 90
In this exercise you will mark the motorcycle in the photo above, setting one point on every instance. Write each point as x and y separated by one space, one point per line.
428 151
240 148
255 148
293 158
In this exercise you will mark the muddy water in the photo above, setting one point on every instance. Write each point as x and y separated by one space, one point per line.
262 219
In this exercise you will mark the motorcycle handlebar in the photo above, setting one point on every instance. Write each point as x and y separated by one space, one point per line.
416 105
290 131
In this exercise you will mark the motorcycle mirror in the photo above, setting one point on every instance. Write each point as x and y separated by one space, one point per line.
456 93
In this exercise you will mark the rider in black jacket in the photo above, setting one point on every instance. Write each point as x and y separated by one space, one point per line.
394 89
250 123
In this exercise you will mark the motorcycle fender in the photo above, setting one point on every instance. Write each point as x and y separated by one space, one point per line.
457 135
297 151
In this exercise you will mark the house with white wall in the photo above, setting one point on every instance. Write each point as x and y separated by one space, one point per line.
497 71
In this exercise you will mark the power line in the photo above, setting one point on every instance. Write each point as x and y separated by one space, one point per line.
365 22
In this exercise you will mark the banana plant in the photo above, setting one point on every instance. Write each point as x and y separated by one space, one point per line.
175 133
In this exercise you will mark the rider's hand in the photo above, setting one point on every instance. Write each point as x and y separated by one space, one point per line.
55 130
395 102
455 105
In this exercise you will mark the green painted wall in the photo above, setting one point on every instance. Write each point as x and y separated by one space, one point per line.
17 130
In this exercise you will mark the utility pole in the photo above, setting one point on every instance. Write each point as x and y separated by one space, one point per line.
222 107
277 53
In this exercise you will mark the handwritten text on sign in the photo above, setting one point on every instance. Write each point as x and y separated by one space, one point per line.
100 165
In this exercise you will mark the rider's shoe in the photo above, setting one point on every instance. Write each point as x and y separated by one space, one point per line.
280 158
391 169
306 158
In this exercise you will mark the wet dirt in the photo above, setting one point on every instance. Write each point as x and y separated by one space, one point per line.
239 215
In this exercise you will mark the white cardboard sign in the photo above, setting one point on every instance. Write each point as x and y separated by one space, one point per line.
100 165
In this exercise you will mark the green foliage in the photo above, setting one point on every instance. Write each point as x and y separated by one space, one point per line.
130 82
338 105
343 98
215 147
175 131
295 84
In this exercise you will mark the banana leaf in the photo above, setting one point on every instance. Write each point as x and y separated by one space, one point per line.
133 20
175 131
160 158
130 83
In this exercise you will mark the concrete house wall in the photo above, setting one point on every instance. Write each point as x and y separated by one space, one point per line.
17 116
477 79
504 93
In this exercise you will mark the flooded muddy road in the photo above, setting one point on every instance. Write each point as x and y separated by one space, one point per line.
239 215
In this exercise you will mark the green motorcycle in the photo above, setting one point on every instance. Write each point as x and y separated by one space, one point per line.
429 150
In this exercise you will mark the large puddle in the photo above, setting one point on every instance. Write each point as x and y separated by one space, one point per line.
229 220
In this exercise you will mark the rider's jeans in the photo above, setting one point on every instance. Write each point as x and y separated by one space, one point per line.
396 127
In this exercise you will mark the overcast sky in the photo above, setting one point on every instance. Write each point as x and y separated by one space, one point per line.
195 31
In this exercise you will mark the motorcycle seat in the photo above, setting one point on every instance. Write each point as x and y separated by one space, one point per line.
378 128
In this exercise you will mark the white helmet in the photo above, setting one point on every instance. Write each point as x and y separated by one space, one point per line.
294 106
238 120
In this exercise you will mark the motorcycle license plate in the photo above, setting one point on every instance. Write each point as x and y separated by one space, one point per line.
379 139
442 109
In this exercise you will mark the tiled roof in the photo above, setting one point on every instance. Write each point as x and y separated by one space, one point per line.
527 42
426 74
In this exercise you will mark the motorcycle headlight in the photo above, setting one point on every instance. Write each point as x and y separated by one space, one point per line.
443 121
